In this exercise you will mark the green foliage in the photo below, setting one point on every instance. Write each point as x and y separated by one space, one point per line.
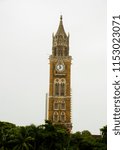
104 134
5 130
48 137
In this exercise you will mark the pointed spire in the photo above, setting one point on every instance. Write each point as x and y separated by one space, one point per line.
61 30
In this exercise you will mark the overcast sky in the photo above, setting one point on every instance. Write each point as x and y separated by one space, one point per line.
26 28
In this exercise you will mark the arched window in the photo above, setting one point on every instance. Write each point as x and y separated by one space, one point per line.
62 105
56 87
56 105
62 87
59 87
55 116
62 117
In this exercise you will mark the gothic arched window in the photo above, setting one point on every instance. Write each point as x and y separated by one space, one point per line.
56 105
63 106
59 87
62 117
55 116
62 87
56 87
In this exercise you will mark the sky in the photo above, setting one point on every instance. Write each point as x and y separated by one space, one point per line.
26 28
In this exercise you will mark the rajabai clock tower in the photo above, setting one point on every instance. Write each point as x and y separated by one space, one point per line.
59 99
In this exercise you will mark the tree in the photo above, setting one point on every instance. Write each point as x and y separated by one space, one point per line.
56 135
5 127
49 137
104 134
21 140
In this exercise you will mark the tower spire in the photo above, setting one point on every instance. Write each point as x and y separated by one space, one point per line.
60 40
61 30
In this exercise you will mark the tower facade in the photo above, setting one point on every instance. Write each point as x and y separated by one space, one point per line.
59 100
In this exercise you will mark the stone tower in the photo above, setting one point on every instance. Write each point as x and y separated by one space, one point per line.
59 100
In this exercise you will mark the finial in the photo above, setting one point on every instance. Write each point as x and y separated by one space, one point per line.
61 17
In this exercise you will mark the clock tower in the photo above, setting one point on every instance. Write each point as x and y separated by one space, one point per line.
59 100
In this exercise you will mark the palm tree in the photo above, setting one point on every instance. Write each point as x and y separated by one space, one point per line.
36 134
22 141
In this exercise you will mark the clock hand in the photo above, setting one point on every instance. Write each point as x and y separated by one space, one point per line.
59 66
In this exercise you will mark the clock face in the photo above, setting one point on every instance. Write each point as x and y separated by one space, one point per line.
60 67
